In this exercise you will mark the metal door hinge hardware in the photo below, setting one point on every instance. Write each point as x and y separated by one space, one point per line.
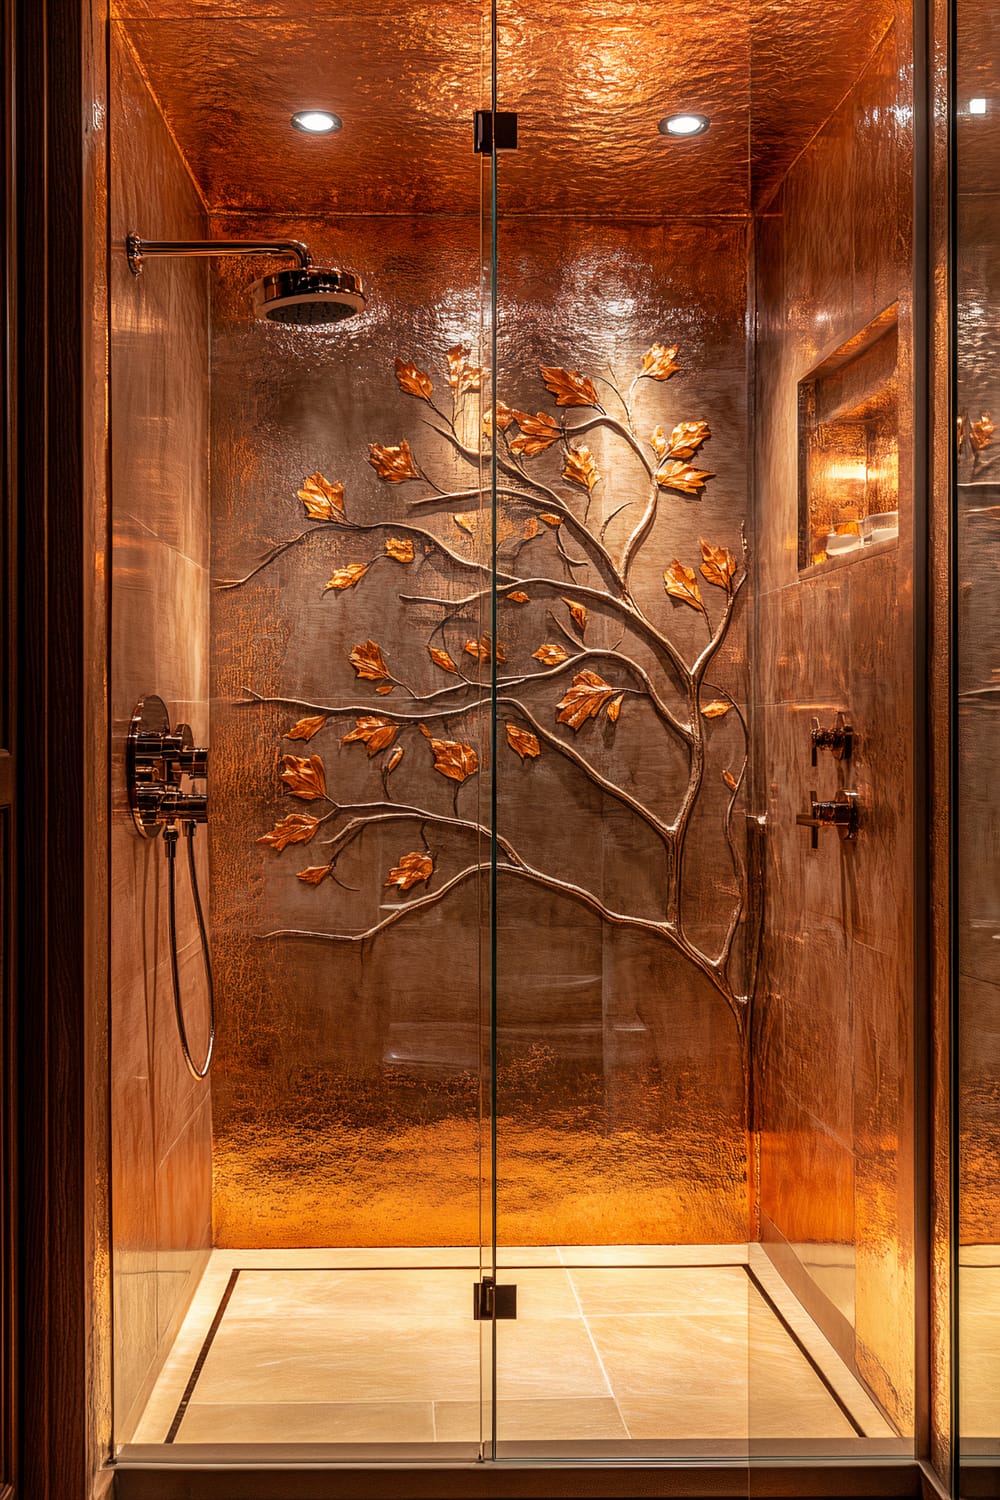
841 813
499 126
490 1301
839 740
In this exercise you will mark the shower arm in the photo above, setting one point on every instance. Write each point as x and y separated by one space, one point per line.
137 249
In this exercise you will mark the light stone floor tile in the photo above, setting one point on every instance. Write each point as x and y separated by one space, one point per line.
537 1360
541 1420
979 1350
308 1422
709 1290
653 1255
358 1296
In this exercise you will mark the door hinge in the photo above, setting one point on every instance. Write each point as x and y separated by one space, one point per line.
490 1301
490 125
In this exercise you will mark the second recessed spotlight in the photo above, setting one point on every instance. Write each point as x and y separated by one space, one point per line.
316 121
684 124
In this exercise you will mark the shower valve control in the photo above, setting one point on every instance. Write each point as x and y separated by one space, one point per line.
158 761
841 813
839 739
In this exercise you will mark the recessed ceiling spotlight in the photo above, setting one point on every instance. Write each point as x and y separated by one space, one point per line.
684 124
316 121
977 106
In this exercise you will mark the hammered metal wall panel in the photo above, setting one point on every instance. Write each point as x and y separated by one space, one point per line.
834 1050
348 1093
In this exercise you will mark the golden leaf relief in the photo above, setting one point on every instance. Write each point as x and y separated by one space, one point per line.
718 566
482 648
304 776
413 381
411 870
615 708
505 416
687 438
517 597
716 709
297 828
478 524
523 741
550 520
681 584
730 780
682 477
374 733
393 464
384 691
658 439
981 432
531 529
584 700
552 656
393 761
314 874
452 758
462 376
304 729
368 661
464 520
569 387
659 362
536 433
400 549
323 501
347 577
441 659
578 613
581 469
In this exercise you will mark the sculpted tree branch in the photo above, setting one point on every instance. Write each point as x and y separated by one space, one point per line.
535 512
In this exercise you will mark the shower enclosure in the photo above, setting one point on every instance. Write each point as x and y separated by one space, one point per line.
551 627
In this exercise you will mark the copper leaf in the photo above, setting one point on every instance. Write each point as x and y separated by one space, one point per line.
531 528
374 733
578 612
659 442
581 469
411 870
452 758
517 597
315 874
523 741
304 776
399 548
584 700
462 376
297 828
569 387
716 709
413 381
681 584
536 433
481 649
384 691
348 576
550 520
323 501
615 708
552 656
659 362
441 659
393 761
687 438
304 729
730 780
394 464
368 661
981 432
718 565
682 477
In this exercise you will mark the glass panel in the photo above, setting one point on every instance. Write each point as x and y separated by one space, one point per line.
831 148
976 250
295 507
623 892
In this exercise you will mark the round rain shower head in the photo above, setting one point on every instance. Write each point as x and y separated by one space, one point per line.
308 295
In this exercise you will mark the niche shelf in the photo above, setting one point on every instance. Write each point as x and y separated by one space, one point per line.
849 445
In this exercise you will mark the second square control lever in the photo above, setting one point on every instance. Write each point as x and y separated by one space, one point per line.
841 813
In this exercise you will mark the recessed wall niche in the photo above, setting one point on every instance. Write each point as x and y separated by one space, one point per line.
849 446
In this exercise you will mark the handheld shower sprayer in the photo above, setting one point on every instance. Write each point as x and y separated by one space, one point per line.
300 294
157 761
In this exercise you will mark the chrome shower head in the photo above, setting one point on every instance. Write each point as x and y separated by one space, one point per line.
308 295
304 294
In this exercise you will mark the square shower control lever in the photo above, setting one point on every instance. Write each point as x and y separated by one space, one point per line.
839 739
841 813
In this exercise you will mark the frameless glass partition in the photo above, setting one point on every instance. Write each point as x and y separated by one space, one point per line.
976 847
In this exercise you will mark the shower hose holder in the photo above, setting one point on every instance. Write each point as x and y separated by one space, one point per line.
158 761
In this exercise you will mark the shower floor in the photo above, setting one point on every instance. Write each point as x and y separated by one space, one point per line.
665 1349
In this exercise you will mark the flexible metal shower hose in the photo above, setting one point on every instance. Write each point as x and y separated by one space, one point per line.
170 839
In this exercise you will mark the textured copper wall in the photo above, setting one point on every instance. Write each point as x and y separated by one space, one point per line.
161 1119
347 1093
834 1045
